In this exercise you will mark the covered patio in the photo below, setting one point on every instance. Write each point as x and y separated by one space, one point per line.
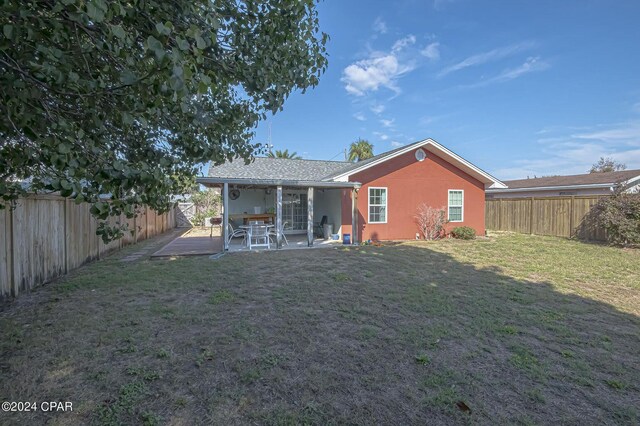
294 208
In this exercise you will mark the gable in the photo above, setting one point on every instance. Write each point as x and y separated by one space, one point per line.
429 146
405 167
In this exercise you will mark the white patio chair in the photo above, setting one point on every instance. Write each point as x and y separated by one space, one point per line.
259 236
236 233
274 233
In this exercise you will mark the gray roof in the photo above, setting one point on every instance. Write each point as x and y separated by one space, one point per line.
358 164
263 168
606 178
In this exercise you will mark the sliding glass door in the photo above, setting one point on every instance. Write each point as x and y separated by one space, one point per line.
294 210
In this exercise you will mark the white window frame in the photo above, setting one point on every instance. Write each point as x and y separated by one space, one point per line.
386 204
449 205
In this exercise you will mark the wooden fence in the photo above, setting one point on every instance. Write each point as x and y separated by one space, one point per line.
557 216
45 237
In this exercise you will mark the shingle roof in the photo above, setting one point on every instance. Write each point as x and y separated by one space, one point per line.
585 179
263 168
358 164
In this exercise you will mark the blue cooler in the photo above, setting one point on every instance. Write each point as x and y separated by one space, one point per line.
346 239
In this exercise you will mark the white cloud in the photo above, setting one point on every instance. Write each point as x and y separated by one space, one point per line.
359 116
629 133
380 69
567 153
387 123
403 43
431 51
377 108
379 26
396 144
529 66
492 55
382 136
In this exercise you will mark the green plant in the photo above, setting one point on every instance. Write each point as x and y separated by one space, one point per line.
463 233
129 98
619 215
360 150
422 359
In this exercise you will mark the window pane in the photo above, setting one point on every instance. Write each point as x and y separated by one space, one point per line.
455 213
455 198
382 214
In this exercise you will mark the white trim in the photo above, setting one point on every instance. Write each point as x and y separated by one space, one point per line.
495 183
550 188
629 182
386 204
449 205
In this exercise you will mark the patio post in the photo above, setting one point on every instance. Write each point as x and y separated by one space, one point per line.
225 216
310 217
354 216
279 217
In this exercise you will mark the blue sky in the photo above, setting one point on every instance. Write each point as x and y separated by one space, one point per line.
520 88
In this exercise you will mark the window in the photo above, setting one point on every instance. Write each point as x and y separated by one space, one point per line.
377 205
456 203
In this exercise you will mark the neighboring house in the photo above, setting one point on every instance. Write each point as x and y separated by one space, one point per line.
558 186
372 199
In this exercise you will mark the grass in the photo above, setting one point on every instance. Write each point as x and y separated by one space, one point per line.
513 329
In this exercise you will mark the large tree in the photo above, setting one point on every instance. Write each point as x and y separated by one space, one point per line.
283 154
607 164
126 97
360 150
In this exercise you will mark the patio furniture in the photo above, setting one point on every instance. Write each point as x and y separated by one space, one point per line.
274 234
319 227
236 233
258 236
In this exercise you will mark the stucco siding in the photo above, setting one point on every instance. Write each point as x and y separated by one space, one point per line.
410 183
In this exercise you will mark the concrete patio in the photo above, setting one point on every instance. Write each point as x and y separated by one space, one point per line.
205 241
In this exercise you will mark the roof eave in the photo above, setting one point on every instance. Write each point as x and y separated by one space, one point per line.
277 182
552 188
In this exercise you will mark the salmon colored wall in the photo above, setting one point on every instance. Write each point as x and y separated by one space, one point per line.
410 183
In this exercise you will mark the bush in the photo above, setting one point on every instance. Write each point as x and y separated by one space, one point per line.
619 215
207 204
463 233
430 222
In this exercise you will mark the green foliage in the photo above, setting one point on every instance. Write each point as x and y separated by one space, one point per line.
360 150
607 164
463 233
619 215
283 154
207 204
126 98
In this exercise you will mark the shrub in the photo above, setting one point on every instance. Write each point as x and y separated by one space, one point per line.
463 233
619 215
207 204
430 222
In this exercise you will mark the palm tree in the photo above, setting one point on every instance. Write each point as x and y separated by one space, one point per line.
360 150
284 154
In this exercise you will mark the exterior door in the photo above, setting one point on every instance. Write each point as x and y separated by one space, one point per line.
294 211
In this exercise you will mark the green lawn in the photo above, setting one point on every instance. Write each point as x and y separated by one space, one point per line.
511 329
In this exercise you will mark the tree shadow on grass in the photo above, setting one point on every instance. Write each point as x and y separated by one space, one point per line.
395 334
